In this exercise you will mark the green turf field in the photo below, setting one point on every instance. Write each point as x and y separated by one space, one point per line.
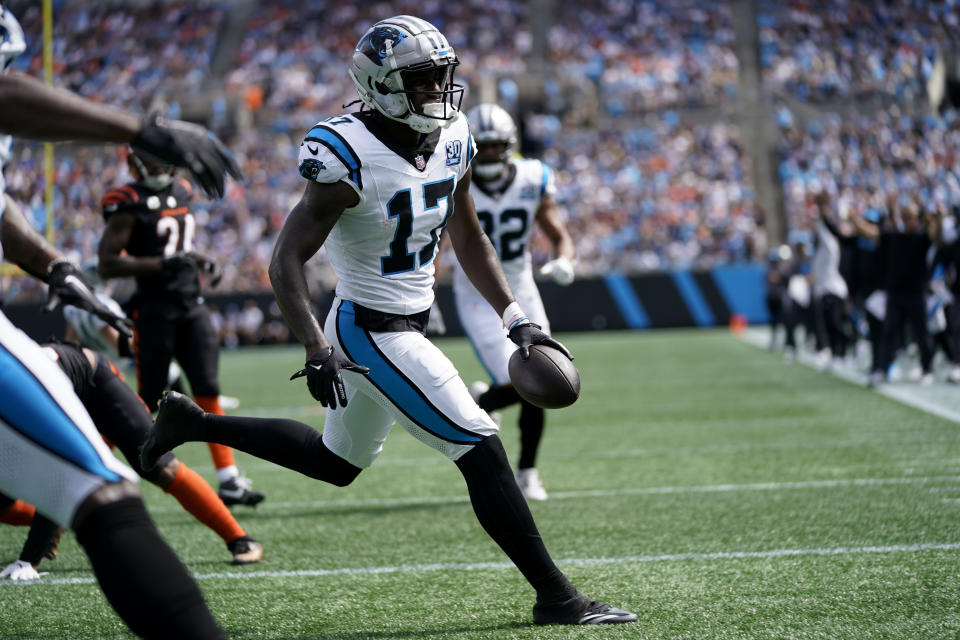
698 481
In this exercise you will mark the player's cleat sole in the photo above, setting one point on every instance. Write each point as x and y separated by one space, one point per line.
581 610
179 420
239 491
245 550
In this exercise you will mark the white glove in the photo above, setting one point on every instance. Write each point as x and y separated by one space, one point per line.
21 570
560 269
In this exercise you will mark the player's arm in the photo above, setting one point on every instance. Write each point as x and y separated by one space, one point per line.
549 220
31 109
482 265
474 251
303 233
866 229
23 245
26 247
112 261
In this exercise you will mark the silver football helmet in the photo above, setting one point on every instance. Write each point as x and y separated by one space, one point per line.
12 43
490 123
391 51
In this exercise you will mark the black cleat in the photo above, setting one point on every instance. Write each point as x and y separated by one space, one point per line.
179 420
580 610
245 550
238 490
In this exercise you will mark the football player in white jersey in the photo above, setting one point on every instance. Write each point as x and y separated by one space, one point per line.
53 456
511 195
382 185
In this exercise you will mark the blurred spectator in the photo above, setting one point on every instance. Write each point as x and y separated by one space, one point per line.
853 49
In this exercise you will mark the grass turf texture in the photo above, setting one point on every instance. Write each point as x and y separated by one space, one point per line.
744 499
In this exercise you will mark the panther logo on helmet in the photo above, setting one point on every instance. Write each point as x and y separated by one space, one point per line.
380 42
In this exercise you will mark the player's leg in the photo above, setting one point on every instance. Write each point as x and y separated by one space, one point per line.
153 344
15 512
57 461
124 419
198 352
288 443
532 418
419 386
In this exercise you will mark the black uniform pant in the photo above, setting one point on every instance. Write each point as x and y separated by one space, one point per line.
167 331
829 322
905 309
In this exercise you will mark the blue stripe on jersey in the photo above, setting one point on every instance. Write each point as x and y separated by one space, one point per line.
469 150
360 347
340 148
546 177
27 406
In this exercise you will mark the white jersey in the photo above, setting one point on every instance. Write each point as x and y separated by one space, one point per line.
508 218
382 249
6 142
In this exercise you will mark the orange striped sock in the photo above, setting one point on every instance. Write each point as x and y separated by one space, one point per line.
20 514
202 502
222 455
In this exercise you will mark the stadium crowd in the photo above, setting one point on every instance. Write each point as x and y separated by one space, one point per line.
659 194
872 204
648 55
849 49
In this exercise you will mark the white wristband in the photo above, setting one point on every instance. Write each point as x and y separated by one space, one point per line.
513 315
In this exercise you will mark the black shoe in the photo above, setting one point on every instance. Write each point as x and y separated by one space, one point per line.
580 610
238 490
179 420
245 550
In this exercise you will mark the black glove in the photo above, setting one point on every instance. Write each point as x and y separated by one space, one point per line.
181 260
528 334
67 286
323 377
183 144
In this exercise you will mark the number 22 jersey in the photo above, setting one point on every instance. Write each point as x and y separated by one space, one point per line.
382 249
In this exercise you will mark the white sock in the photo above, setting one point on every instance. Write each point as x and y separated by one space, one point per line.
227 473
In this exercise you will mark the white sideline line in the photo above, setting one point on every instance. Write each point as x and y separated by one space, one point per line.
904 394
574 495
479 566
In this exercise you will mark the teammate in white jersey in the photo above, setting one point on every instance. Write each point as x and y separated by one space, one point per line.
382 185
52 455
511 195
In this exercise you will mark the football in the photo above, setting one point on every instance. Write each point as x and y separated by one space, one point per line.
546 379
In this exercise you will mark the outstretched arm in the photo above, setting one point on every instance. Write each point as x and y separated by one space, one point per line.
30 108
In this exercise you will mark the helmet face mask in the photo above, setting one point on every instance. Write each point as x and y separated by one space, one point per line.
153 176
496 136
403 68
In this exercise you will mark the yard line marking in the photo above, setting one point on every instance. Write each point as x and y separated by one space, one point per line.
480 566
593 493
438 460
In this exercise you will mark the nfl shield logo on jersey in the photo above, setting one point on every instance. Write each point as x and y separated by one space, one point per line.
421 163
